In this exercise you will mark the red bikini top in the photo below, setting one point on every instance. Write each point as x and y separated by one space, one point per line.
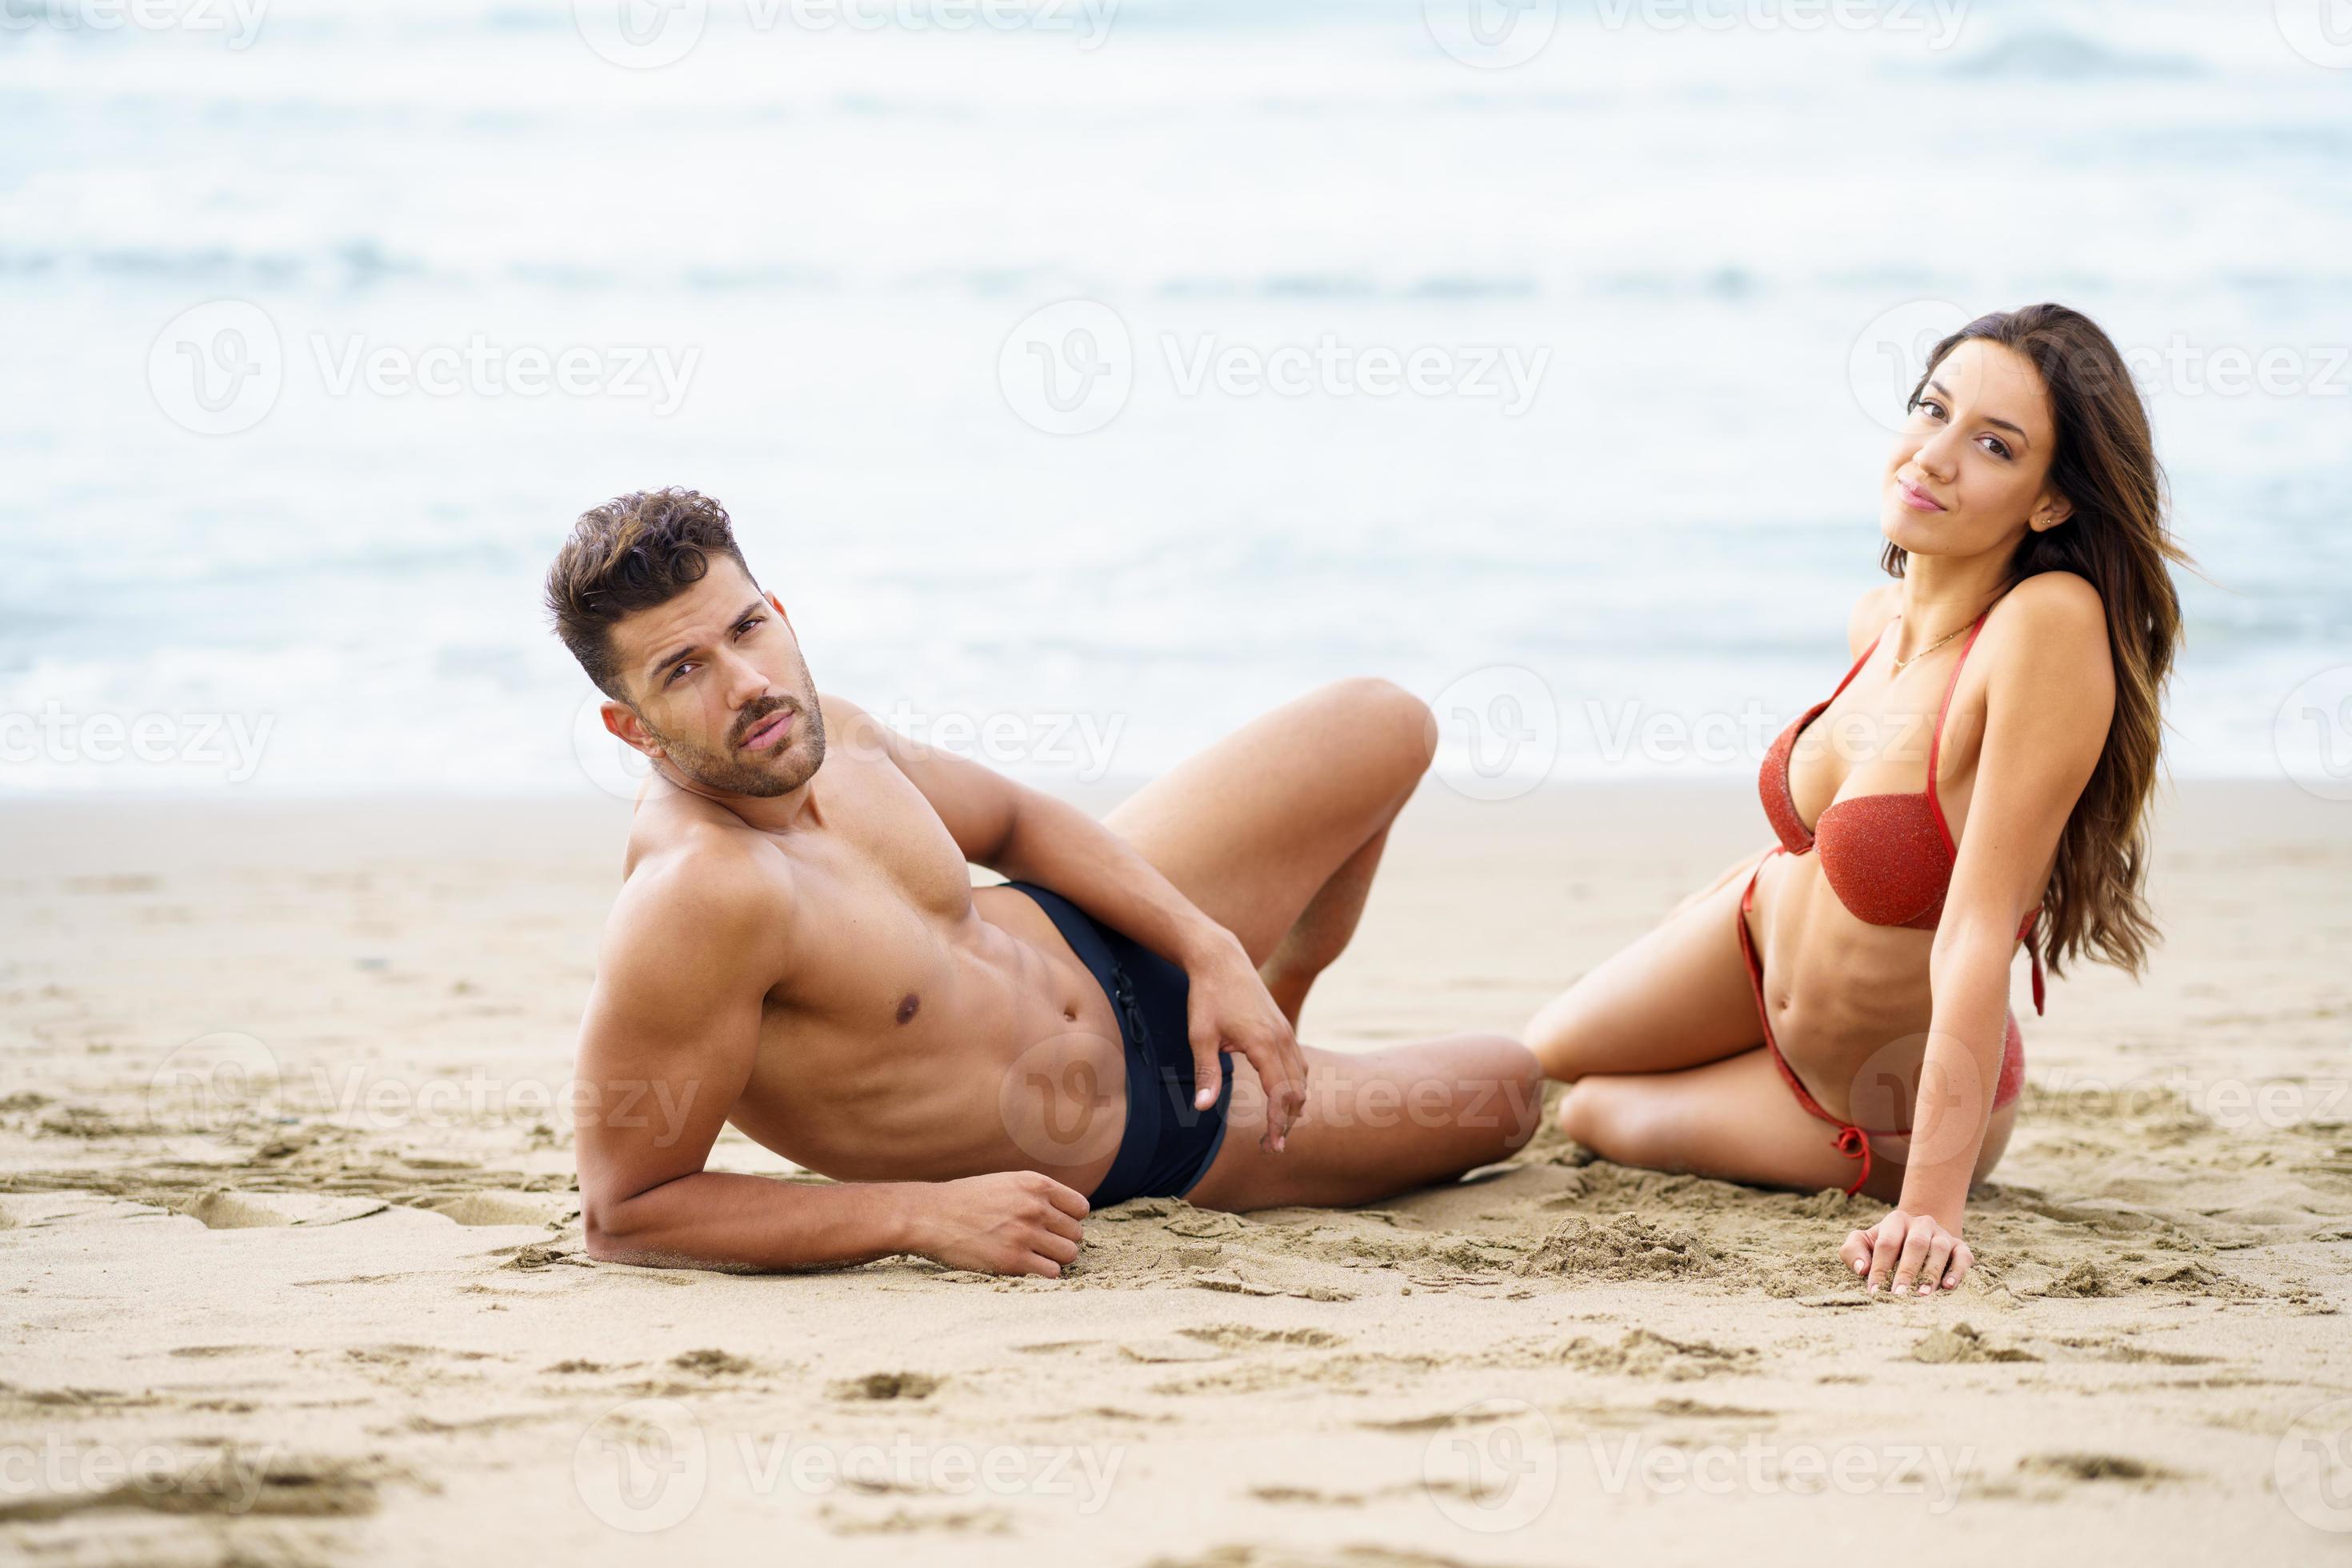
1888 857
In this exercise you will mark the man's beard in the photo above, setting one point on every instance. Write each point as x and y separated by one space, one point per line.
780 772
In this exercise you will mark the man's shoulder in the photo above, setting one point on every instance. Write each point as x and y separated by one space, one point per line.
704 871
850 732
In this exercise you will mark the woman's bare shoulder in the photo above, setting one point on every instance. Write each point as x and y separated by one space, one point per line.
2054 637
1870 614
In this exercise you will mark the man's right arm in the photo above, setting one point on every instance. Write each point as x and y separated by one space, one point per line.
670 1038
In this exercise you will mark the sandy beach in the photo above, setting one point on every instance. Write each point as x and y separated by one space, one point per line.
294 1273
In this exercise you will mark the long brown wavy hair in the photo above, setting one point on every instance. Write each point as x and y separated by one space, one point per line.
2105 465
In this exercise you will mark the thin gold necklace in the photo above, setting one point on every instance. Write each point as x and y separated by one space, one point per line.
1903 664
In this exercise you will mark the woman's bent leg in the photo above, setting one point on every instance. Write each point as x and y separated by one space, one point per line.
1678 997
1735 1121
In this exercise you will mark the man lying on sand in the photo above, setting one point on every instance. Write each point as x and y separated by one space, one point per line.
797 948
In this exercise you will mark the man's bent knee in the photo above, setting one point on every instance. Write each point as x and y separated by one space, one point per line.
1379 707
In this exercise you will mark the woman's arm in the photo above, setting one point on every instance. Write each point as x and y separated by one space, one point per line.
2049 697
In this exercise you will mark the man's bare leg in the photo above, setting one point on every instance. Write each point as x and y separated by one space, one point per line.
1320 933
1377 1124
1276 831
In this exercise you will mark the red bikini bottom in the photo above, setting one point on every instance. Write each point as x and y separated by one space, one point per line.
1853 1140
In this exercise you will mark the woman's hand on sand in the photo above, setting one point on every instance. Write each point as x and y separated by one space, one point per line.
1230 1009
1012 1222
1916 1249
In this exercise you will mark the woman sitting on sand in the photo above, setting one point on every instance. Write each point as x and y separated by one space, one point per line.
1834 1012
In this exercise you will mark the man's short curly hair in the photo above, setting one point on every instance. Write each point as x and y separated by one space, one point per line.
632 553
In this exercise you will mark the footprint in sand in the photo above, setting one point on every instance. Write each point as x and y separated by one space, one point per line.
886 1385
220 1208
226 1485
2099 1467
1351 1556
2084 1278
1242 1336
1164 1351
504 1206
910 1522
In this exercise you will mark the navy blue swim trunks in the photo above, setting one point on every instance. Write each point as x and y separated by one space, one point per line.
1169 1144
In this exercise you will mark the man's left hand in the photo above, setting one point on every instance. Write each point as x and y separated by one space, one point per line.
1230 1009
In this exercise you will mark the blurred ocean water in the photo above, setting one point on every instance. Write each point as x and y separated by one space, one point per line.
438 275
